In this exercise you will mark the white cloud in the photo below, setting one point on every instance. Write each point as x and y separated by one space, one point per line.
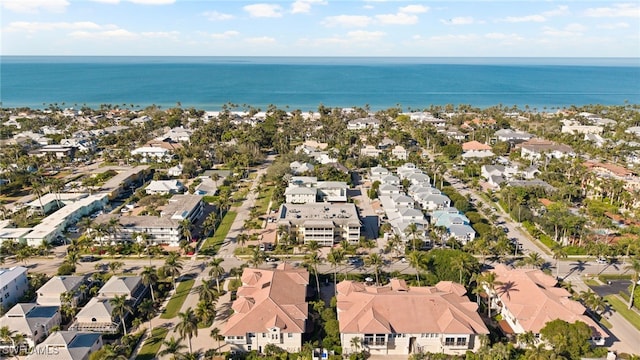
527 18
618 25
397 19
304 6
414 9
263 10
361 35
459 20
571 30
505 37
173 35
34 6
153 2
617 10
558 11
139 2
107 34
452 37
260 40
217 16
33 27
225 35
347 20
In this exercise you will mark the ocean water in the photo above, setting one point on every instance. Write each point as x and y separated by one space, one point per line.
305 83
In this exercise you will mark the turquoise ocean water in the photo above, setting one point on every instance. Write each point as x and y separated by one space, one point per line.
305 83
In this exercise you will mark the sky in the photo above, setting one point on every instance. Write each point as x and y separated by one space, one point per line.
321 28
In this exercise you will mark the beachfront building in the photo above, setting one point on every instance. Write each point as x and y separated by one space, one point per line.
270 310
324 223
382 319
528 298
31 320
13 285
67 345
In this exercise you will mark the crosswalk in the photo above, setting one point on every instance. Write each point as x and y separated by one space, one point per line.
225 256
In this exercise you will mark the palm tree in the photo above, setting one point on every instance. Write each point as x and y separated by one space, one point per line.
257 257
375 261
312 246
6 335
356 343
527 338
188 325
215 334
533 259
146 309
186 226
461 264
216 271
558 253
206 311
242 238
209 223
634 266
313 260
335 258
489 280
207 292
416 260
120 307
172 347
413 231
149 278
115 266
172 267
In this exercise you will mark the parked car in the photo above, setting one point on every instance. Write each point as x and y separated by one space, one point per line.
73 229
602 260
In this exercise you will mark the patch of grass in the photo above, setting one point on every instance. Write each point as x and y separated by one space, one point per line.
591 282
263 199
606 277
605 322
621 308
150 347
213 243
176 301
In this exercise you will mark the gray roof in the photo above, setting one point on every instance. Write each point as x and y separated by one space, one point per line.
60 284
121 285
71 345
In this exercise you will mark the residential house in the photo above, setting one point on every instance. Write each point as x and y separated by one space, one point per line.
534 148
31 320
509 135
391 180
164 187
574 127
151 153
389 190
301 168
177 135
432 202
67 345
326 224
52 291
207 186
129 286
597 140
378 172
270 310
383 318
371 151
528 299
455 134
175 171
463 233
13 285
399 152
475 146
332 191
363 123
96 316
300 195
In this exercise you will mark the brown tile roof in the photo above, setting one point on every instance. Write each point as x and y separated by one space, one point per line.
540 145
270 298
475 145
612 168
394 308
532 298
545 202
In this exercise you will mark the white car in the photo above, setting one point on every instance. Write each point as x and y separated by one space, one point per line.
601 261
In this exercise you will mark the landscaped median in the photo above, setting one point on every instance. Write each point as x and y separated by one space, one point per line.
176 301
152 345
212 244
621 308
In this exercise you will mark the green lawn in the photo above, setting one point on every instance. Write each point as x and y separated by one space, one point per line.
263 199
152 345
621 308
174 305
221 232
591 282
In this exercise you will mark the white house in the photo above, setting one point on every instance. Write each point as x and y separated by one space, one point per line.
32 320
399 152
164 187
13 285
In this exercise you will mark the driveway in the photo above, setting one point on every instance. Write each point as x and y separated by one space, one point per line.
614 287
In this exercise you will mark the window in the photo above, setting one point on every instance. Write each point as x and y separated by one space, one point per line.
380 339
449 341
290 335
461 341
368 339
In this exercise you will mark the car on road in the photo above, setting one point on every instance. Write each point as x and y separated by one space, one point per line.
505 229
355 260
602 260
73 229
88 258
271 259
